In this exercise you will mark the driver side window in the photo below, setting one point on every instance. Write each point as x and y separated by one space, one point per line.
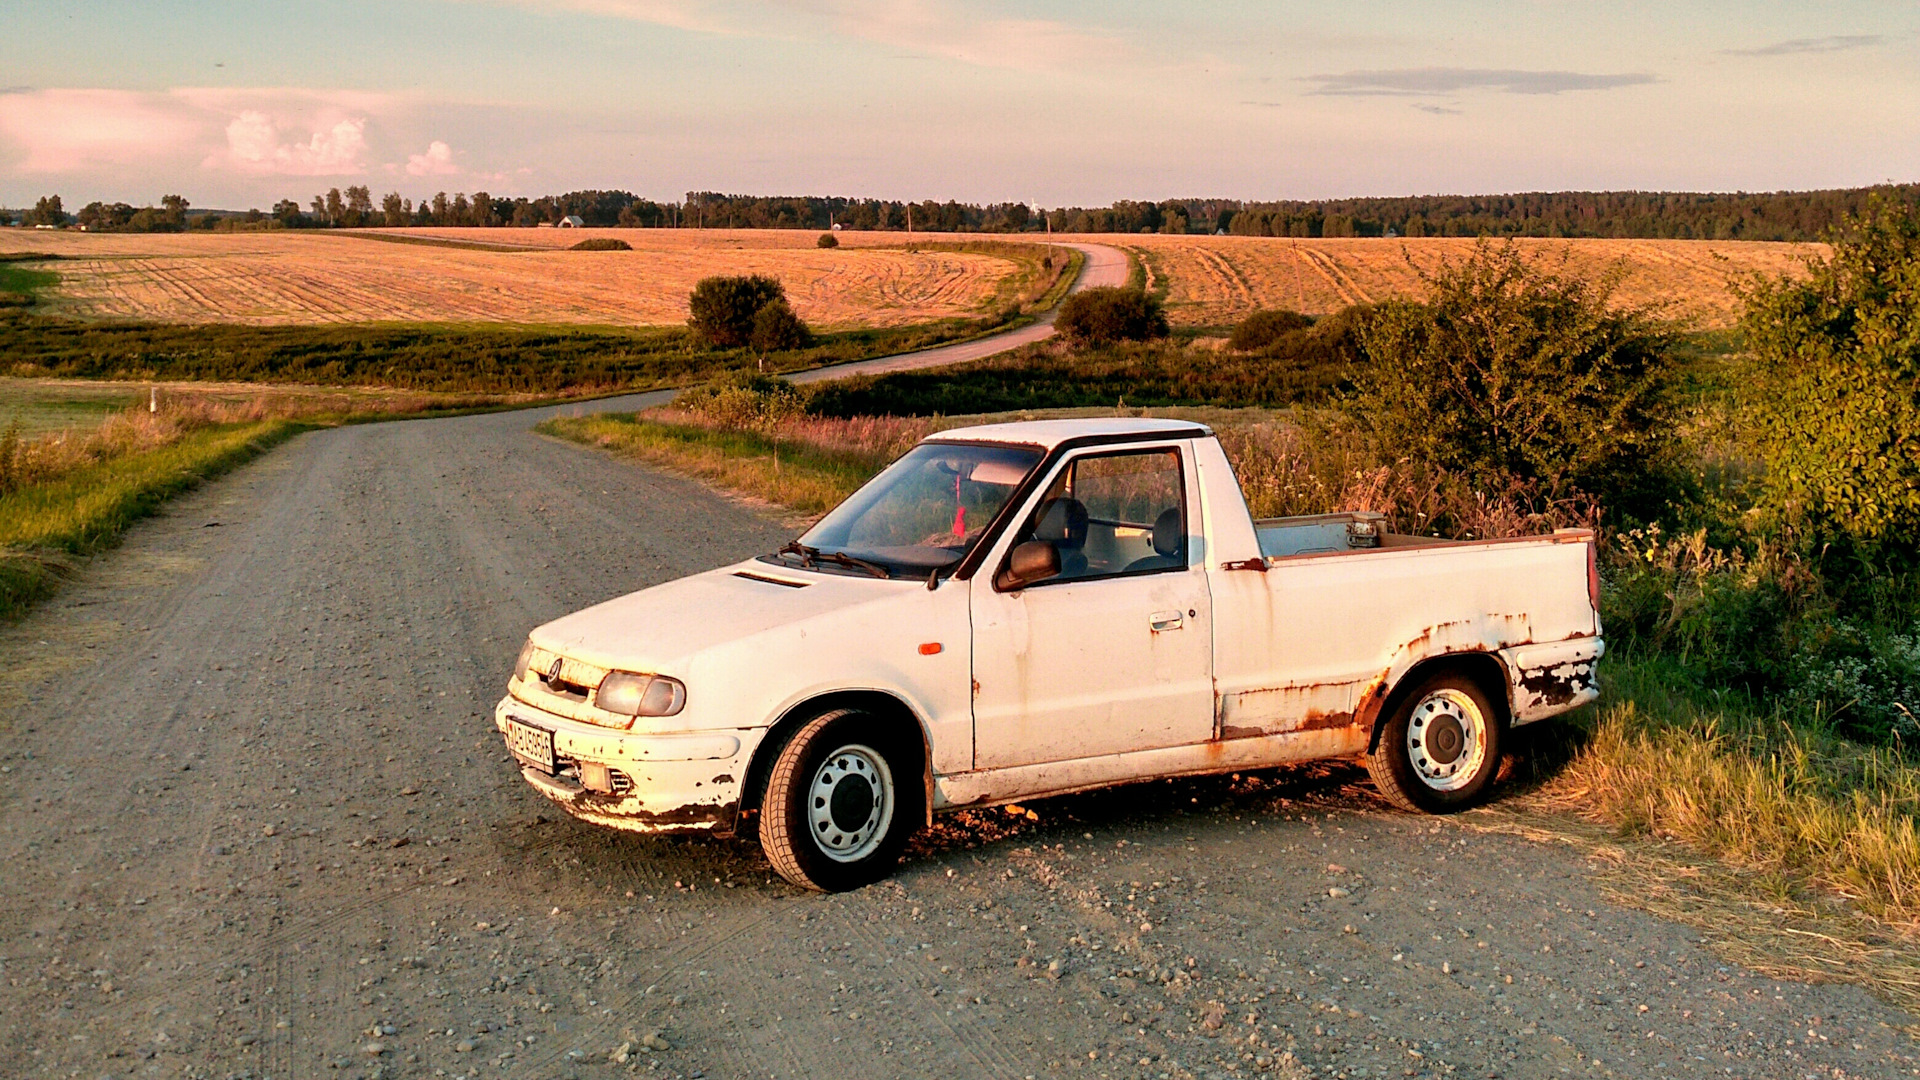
1113 514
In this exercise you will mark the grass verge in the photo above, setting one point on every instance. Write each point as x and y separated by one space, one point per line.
798 474
44 526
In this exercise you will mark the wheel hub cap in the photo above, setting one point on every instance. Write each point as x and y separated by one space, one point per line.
850 803
1447 740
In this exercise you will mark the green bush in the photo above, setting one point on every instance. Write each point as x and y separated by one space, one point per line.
827 240
602 243
776 328
1262 329
723 308
1510 371
1838 409
1105 315
744 400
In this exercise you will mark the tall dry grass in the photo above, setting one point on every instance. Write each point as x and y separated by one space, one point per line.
25 461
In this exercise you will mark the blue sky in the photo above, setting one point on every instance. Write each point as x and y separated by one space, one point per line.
239 104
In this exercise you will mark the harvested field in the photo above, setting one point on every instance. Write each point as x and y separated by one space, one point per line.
527 276
521 276
1216 280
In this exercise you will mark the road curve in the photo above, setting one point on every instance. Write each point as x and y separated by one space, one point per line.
1105 266
254 820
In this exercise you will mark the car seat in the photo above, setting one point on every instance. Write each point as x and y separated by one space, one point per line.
1169 543
1063 523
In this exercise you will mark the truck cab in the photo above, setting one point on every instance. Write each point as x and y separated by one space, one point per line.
1019 610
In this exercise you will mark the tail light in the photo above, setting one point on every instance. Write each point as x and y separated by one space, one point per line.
1593 573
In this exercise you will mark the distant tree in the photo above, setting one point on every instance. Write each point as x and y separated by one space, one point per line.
776 328
724 308
47 212
1104 315
393 210
442 210
827 240
287 213
175 207
317 211
336 208
359 209
1838 408
1017 216
1512 372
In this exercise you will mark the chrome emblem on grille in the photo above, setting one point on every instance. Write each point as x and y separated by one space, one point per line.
553 673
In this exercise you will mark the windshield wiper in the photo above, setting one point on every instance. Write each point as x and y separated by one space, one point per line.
811 555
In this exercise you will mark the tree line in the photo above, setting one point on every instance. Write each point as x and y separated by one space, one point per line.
1780 215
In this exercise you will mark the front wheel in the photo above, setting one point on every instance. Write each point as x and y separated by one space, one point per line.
1440 749
842 799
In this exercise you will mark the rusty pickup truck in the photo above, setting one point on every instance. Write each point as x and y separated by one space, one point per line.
1030 609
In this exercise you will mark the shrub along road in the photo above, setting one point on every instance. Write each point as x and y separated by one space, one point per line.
256 822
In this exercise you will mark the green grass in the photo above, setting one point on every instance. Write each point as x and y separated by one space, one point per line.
39 407
20 285
1047 376
43 526
470 358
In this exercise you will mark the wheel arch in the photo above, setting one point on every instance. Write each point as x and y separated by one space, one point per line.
1486 669
878 702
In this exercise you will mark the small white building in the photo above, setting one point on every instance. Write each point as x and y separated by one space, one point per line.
572 221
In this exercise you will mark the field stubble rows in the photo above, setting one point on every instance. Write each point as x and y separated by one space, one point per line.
321 277
872 279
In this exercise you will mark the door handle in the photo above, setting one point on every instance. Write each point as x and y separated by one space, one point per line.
1165 620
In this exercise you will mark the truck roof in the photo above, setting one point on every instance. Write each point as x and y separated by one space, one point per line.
1051 433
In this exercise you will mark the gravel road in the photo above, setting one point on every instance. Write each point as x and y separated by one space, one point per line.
256 823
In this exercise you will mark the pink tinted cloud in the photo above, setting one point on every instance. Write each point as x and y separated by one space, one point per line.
73 129
258 131
436 161
256 144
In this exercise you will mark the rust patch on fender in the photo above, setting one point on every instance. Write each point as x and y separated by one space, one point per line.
1366 712
1558 685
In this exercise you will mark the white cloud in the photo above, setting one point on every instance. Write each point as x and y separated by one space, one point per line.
437 161
254 144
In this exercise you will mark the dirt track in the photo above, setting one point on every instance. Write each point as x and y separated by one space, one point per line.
253 807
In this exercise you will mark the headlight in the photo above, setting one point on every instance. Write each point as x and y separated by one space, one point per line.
629 694
526 660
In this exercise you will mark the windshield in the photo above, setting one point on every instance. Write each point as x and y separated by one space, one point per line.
928 508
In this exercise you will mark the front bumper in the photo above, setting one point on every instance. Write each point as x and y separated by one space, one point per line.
636 781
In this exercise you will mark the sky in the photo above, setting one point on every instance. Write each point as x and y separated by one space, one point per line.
237 105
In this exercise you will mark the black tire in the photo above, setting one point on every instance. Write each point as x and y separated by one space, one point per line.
1453 753
844 795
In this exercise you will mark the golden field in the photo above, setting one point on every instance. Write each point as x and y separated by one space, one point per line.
526 276
268 278
1216 280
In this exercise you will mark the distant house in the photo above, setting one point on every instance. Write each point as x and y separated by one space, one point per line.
572 221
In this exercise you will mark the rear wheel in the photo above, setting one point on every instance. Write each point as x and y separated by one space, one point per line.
842 799
1440 749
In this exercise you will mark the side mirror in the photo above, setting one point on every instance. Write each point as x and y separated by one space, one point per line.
1035 560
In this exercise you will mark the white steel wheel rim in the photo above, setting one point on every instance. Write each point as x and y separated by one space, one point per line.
1447 740
850 803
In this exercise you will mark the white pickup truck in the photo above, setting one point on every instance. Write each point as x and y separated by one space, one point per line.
1030 609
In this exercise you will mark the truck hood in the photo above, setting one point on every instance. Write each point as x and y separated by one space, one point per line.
659 630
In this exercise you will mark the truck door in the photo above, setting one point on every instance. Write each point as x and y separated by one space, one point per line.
1116 653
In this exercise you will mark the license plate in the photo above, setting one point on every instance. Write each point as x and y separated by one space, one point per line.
531 744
